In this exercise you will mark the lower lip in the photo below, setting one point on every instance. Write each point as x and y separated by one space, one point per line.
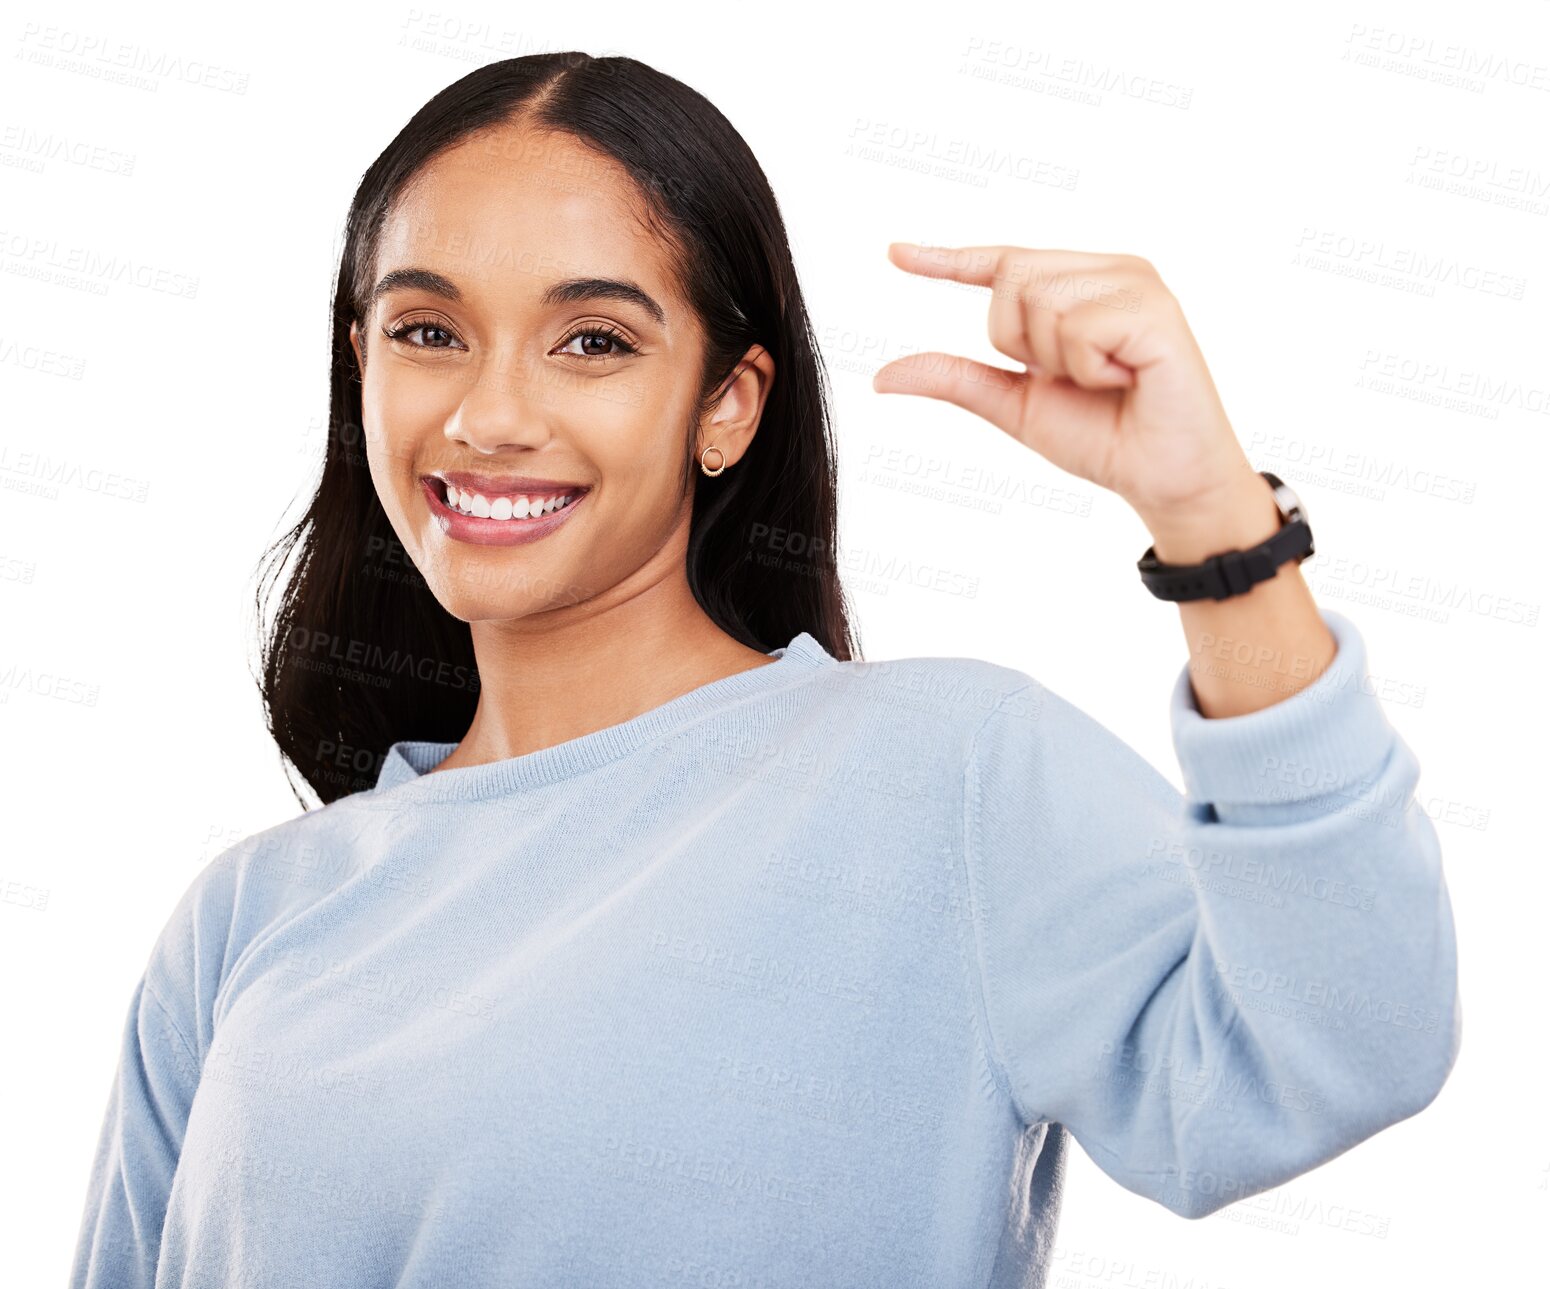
494 532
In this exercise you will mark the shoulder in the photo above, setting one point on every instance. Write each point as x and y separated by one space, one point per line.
943 698
291 863
252 884
984 717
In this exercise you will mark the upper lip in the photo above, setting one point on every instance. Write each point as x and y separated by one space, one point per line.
506 485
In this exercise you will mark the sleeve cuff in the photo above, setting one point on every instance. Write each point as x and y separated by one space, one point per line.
1331 733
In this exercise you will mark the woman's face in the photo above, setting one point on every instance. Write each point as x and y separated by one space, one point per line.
527 345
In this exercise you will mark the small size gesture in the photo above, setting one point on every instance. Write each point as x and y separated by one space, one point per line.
1114 390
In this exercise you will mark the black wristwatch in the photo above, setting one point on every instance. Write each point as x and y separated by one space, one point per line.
1234 572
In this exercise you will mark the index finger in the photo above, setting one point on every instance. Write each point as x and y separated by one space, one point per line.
978 265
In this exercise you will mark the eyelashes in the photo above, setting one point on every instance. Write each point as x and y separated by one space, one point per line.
604 333
404 329
590 330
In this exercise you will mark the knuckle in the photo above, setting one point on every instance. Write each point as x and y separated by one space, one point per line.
1004 336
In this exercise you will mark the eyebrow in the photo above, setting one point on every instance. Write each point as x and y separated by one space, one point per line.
570 291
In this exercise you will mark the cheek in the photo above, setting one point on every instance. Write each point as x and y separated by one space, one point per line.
637 432
396 416
417 393
384 458
642 470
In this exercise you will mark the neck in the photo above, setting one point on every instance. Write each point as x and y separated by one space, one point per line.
557 675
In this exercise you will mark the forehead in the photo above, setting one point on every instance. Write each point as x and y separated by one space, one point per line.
509 210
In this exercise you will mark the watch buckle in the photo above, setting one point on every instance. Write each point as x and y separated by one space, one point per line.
1235 575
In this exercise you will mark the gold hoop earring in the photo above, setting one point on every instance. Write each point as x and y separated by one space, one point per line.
719 468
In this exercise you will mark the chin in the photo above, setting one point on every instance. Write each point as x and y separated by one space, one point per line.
478 598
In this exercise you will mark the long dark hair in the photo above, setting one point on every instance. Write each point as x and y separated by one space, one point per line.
359 654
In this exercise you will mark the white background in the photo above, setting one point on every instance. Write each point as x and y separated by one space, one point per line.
133 745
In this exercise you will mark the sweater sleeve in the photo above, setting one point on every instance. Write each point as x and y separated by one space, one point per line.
1218 990
161 1049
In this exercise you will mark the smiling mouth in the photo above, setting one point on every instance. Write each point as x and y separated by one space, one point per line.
510 507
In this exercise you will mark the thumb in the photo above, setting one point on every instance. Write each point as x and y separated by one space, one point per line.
991 392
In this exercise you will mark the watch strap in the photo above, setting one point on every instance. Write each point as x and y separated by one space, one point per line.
1229 573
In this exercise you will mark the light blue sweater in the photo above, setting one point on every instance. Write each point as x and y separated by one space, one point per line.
805 977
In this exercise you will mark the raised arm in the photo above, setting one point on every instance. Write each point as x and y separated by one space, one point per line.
1218 990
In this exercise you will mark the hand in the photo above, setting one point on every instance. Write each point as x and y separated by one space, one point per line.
1115 389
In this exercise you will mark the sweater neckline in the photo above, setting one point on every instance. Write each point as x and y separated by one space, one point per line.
407 766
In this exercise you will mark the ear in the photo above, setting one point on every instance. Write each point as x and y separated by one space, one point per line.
734 419
356 343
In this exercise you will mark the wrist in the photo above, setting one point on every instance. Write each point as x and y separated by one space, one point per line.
1235 519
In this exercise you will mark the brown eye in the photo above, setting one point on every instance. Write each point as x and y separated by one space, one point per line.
597 343
406 329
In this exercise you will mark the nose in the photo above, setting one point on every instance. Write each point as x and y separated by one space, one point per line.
502 408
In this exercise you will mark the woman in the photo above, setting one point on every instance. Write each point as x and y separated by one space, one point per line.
647 936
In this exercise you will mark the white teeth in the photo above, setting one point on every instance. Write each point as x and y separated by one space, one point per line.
477 504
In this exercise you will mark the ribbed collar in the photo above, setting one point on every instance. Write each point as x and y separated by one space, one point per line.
406 767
